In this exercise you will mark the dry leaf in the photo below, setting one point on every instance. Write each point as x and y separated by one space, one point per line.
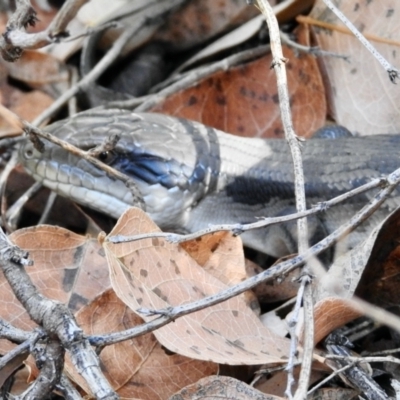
361 103
244 99
221 387
36 69
367 268
137 368
154 274
67 267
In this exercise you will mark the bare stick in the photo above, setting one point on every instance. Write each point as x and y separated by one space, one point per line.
237 229
279 66
16 39
390 69
54 317
99 68
303 19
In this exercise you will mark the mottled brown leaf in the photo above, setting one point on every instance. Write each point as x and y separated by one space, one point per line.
244 99
137 368
221 387
361 96
67 267
155 274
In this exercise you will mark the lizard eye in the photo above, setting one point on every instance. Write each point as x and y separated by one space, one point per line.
28 153
106 156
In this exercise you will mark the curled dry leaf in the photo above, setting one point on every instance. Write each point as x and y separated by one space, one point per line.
137 368
221 387
67 267
370 270
364 105
244 100
154 274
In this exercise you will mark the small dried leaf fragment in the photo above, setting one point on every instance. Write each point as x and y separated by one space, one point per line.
140 367
221 387
36 69
364 105
154 274
244 100
277 383
27 105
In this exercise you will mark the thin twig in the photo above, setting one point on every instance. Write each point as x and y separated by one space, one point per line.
16 38
329 377
304 19
315 51
393 72
299 187
95 73
237 229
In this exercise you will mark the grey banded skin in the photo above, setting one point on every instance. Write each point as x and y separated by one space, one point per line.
192 176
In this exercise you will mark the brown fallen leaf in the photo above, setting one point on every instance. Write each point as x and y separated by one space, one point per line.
154 274
244 99
27 105
36 69
137 368
364 105
67 267
221 387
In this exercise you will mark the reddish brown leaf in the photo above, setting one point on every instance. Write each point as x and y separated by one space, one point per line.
155 274
244 99
332 313
137 368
